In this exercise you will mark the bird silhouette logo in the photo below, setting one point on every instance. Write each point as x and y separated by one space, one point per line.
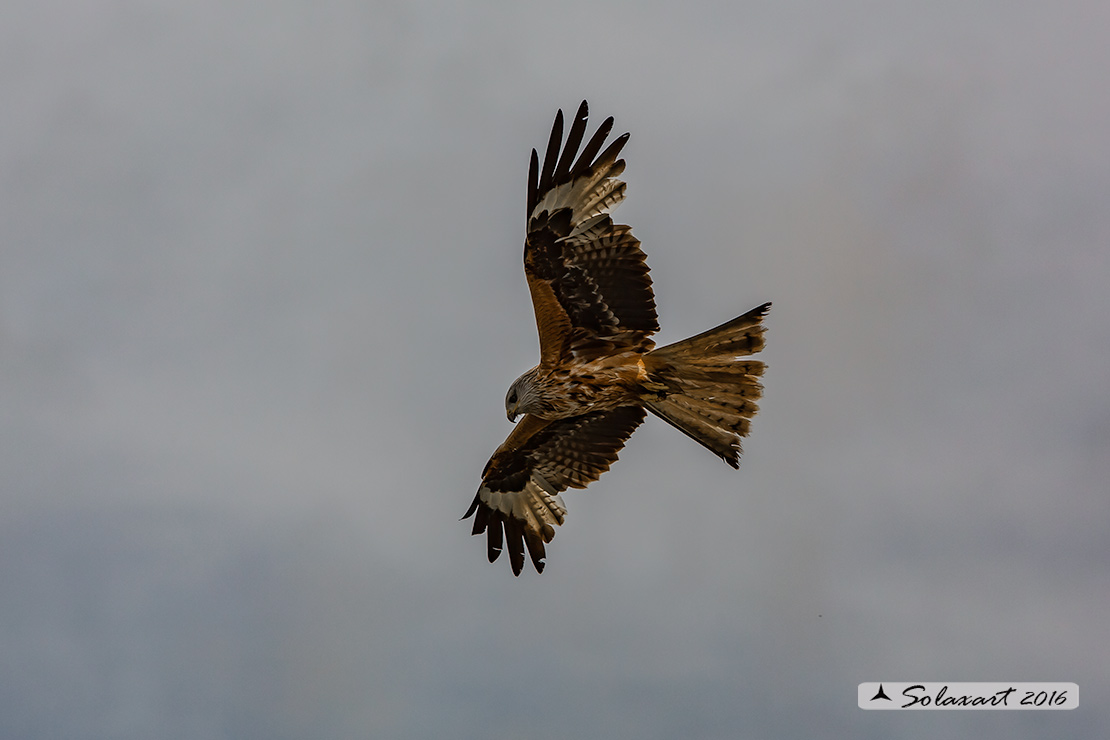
881 695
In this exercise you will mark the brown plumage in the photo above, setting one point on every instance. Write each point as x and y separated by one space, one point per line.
599 369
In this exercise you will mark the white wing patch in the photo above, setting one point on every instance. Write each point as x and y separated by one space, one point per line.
586 196
538 505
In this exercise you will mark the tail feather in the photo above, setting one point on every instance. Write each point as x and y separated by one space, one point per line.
721 413
722 443
721 345
710 395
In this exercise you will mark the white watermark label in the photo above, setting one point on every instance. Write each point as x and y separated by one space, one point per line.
984 695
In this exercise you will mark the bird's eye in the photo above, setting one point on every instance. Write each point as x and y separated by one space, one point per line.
512 397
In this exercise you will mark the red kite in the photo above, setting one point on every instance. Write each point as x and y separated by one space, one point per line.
599 369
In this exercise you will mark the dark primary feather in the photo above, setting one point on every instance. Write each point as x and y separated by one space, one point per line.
574 138
594 147
552 154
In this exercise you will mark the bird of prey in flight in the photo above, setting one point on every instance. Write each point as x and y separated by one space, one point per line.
599 368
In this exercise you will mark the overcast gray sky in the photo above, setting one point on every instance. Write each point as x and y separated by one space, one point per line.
261 297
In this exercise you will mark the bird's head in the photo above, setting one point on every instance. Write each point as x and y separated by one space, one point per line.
522 396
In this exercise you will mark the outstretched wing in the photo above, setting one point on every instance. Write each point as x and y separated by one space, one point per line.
588 277
518 502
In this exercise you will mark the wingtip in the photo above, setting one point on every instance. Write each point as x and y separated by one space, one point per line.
473 508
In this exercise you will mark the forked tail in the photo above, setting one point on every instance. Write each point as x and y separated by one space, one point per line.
704 390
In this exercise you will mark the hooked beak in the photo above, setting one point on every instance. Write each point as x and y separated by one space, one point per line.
512 414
